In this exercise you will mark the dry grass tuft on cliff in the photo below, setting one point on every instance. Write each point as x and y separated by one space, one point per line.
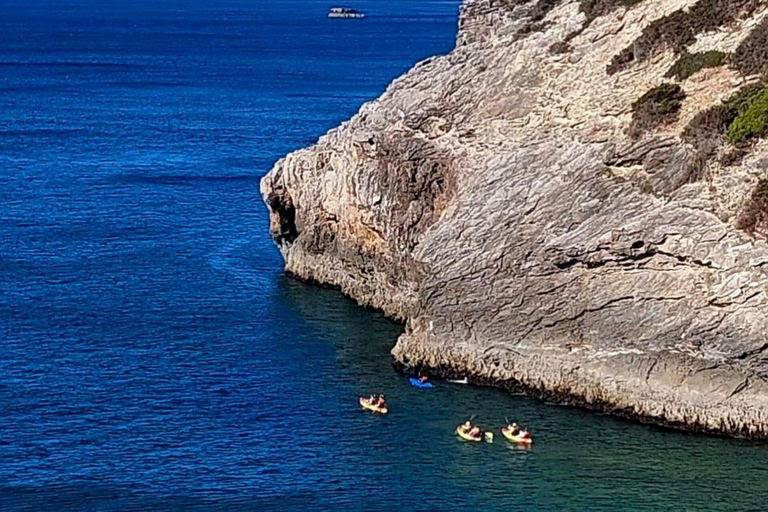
595 8
751 58
542 8
507 4
706 131
679 29
754 218
691 63
536 22
657 107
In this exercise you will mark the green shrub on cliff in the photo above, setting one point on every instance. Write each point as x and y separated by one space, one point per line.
752 120
657 107
691 63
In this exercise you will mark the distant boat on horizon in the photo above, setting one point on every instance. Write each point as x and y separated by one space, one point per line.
345 12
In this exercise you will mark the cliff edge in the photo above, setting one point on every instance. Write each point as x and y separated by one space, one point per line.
572 203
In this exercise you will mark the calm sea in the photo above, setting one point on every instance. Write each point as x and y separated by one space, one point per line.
153 356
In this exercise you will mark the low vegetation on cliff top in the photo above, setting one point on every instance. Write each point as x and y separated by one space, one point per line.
743 117
751 58
691 63
739 119
679 29
657 107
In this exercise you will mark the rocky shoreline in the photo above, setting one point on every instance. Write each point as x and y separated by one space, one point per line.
570 204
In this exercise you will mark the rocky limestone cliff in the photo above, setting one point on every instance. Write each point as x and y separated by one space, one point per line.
572 203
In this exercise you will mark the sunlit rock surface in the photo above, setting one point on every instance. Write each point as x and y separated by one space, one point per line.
499 200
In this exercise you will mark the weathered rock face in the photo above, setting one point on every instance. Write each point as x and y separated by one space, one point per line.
541 225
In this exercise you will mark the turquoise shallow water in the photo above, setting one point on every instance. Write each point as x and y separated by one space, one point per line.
152 354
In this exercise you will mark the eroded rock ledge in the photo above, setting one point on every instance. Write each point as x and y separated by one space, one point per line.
550 212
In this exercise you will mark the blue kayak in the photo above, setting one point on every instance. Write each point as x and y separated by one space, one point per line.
418 384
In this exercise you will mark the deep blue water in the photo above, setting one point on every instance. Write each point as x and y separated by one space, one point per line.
152 354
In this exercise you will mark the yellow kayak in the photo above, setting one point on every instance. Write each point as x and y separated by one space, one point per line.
373 408
516 439
465 435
